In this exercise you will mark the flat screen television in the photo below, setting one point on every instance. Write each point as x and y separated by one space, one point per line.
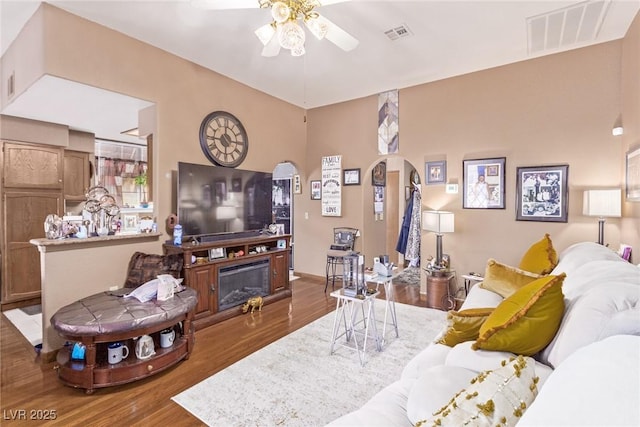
213 200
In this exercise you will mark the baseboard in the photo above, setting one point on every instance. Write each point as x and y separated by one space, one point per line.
5 306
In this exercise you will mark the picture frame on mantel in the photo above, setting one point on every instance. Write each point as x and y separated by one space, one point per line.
541 193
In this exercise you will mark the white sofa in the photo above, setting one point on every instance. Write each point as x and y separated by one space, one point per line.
588 375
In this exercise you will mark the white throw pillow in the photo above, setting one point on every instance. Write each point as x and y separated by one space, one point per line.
497 397
434 389
433 355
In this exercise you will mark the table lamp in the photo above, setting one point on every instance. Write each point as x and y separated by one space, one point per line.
602 203
438 222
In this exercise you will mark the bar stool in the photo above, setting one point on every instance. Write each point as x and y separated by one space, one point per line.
343 243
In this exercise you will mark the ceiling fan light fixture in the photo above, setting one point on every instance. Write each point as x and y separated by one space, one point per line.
316 27
265 33
280 12
291 36
298 51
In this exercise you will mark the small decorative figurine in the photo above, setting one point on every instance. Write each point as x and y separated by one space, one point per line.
253 303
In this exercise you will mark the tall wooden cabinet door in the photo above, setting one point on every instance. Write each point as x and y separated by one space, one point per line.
280 272
76 174
32 166
24 215
203 280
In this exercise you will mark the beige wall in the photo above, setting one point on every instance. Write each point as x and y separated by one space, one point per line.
630 89
557 109
551 110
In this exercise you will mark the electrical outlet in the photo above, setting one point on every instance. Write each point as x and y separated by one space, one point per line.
306 215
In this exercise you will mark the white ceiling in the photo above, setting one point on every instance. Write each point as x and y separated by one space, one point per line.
448 38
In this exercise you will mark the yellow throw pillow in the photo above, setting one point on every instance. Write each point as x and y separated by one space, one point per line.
464 325
540 258
494 398
505 280
527 321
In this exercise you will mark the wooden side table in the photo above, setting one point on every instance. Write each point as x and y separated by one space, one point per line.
439 292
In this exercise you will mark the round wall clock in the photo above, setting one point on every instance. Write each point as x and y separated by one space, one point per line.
223 139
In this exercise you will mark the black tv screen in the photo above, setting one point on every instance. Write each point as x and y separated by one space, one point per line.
214 199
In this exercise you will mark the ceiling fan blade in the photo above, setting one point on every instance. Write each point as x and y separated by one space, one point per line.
328 2
272 48
226 4
338 36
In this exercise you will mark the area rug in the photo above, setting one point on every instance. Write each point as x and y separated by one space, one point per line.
28 320
408 276
296 382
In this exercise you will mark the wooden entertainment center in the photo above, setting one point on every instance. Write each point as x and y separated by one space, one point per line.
206 262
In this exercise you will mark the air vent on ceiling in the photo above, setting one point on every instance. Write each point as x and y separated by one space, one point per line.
397 32
561 28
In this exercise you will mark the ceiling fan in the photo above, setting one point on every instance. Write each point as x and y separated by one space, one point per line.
285 30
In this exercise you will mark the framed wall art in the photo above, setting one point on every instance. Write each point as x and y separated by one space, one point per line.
483 183
633 175
297 187
316 190
436 172
541 193
379 175
351 177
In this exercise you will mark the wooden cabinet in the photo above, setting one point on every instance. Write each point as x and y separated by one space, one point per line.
24 214
205 263
440 291
31 190
32 166
76 175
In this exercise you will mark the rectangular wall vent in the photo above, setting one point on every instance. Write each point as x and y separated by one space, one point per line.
400 31
11 85
564 27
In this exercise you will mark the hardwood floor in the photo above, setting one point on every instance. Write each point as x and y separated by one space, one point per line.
29 385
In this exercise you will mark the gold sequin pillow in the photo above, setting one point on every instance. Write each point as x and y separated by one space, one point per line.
504 279
464 325
540 258
494 398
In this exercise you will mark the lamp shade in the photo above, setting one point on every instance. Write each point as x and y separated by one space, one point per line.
438 221
602 203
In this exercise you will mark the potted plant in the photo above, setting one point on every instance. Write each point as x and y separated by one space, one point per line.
141 180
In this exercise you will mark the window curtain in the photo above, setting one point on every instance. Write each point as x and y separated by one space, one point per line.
112 174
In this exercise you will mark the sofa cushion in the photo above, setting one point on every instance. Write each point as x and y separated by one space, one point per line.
612 308
434 389
504 279
145 267
464 325
540 258
595 386
386 408
479 297
497 397
527 321
434 354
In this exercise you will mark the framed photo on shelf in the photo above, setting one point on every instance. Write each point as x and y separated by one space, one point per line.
217 253
633 175
483 183
436 172
130 223
282 244
351 177
541 193
316 190
379 175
